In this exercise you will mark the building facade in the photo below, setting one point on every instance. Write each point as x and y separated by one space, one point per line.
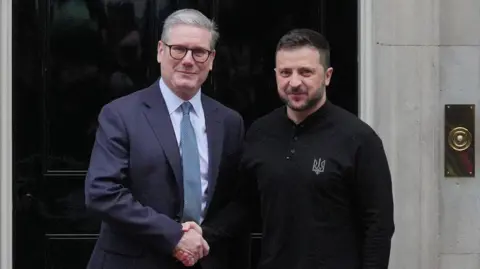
406 61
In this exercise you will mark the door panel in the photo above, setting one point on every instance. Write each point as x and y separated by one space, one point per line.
68 251
27 123
70 57
96 51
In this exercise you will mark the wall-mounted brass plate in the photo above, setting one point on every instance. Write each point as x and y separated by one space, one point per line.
459 140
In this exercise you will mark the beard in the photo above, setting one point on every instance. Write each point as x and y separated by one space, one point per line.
309 103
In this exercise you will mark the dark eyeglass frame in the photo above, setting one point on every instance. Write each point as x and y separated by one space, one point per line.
209 52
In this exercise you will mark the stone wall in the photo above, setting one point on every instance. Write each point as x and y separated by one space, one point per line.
426 54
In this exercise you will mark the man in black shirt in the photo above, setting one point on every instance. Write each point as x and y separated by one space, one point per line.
319 173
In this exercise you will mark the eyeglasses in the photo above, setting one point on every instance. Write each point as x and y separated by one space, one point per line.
178 52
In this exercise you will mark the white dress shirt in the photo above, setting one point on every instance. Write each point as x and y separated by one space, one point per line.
197 118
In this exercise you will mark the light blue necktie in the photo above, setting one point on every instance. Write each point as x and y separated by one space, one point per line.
191 168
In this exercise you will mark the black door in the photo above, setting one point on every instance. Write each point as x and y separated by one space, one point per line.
72 56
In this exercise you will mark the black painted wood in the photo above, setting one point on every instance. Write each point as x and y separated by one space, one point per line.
71 57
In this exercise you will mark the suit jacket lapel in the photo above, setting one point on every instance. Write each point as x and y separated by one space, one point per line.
215 143
157 115
159 119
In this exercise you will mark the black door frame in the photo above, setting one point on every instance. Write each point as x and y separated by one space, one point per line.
7 162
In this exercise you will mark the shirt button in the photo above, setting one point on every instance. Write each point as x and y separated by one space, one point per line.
288 158
292 151
295 138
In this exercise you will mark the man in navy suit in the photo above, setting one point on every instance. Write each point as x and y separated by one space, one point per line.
165 158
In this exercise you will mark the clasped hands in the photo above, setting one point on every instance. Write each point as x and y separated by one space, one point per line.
192 247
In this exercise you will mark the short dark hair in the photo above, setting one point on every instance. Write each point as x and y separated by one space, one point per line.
298 38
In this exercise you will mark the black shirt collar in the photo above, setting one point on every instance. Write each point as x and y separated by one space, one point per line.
313 119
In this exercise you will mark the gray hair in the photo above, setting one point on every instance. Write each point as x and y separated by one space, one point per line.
190 17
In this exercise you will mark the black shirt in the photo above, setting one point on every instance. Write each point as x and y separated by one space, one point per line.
325 191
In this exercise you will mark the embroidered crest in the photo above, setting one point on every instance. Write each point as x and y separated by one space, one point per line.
318 166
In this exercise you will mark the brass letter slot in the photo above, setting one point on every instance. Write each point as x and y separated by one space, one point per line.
459 140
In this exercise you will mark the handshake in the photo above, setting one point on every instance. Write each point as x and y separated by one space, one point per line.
192 247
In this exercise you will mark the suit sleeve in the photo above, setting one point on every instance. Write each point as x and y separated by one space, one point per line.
375 200
235 219
107 194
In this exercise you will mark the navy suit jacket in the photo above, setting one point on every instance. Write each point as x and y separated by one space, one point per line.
135 185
